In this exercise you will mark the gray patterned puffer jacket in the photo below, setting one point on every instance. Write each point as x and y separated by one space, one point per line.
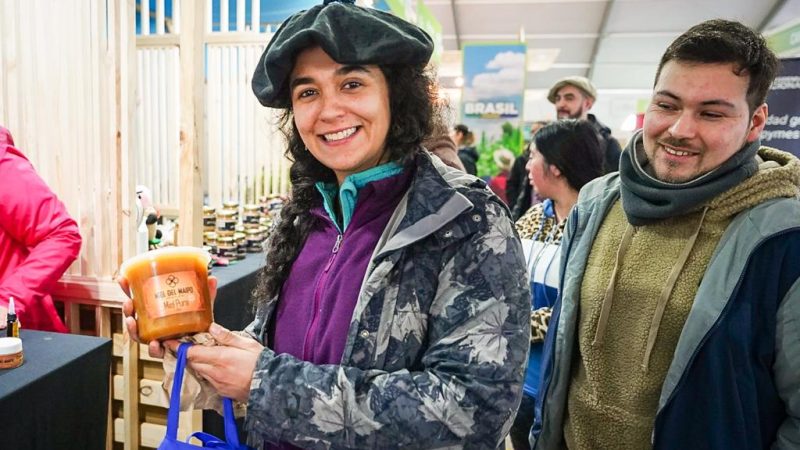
436 352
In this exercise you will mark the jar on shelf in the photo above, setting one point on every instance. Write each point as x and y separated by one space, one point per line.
226 222
255 240
251 216
240 240
209 218
226 247
210 241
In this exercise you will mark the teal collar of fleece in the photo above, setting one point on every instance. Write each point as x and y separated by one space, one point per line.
348 191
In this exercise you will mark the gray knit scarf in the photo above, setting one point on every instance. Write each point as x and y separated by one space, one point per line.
646 199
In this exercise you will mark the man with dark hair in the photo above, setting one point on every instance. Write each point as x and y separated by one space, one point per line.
677 321
573 97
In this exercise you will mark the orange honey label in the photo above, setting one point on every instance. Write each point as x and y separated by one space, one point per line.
172 293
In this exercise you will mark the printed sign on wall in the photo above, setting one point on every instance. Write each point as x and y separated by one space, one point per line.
783 123
492 99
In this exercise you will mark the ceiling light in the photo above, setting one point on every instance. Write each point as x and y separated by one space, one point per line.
542 59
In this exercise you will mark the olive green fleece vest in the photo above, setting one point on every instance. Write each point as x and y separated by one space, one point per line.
612 397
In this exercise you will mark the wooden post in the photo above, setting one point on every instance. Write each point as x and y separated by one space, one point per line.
127 80
130 392
192 45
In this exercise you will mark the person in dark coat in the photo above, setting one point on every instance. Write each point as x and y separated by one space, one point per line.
467 153
519 189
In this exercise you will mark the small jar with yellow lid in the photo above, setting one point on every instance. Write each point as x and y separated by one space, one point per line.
241 245
251 215
234 205
209 218
210 240
226 247
255 240
226 222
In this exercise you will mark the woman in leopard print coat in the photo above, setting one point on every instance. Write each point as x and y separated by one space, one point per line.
564 156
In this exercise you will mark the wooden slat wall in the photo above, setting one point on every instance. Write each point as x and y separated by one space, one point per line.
244 149
158 116
59 93
241 154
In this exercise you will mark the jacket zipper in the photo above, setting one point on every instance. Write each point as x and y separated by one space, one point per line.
311 333
711 330
573 224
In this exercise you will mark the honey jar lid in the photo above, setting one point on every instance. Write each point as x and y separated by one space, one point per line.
227 213
208 209
10 345
252 208
152 255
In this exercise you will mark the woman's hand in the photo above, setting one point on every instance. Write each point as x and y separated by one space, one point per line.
228 366
154 347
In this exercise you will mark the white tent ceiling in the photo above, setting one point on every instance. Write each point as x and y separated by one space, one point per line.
616 43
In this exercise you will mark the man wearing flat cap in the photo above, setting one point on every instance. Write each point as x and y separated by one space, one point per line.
573 97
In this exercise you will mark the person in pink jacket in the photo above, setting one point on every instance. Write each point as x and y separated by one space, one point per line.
38 241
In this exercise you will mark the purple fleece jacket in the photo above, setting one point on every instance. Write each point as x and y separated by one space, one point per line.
318 298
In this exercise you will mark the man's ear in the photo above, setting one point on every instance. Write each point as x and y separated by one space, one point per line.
589 102
758 122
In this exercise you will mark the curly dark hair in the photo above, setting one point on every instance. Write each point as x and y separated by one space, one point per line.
415 114
725 41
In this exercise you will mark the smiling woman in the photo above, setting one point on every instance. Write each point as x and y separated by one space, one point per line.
393 306
341 112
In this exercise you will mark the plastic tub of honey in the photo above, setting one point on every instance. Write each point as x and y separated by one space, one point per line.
170 292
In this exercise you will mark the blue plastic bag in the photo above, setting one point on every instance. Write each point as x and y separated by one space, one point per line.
171 441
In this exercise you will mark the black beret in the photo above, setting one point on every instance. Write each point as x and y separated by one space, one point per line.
349 34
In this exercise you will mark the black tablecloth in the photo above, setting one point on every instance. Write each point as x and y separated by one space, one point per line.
58 398
233 310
